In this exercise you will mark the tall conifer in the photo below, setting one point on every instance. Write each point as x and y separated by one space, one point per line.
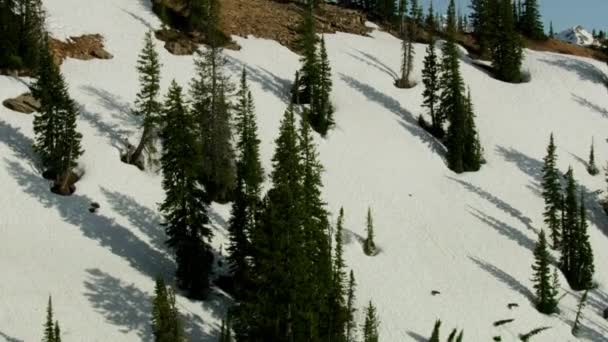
531 23
351 326
166 324
369 246
552 194
591 167
545 293
370 327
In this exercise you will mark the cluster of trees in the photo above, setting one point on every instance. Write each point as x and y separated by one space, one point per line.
21 33
497 27
166 323
313 85
57 141
565 217
446 100
52 332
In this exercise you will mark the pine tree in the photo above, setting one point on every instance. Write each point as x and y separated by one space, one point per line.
407 57
209 91
226 331
57 332
339 316
579 314
430 21
166 324
402 14
584 267
591 167
435 334
483 21
309 72
370 327
552 194
321 113
250 174
369 246
545 293
57 140
531 23
570 225
147 105
184 208
507 48
472 158
551 32
49 328
351 326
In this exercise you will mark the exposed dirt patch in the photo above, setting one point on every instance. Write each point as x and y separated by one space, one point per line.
554 45
85 47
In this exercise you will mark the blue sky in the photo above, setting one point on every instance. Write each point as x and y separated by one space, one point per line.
564 13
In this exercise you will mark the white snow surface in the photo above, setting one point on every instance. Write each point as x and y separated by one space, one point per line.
576 35
468 236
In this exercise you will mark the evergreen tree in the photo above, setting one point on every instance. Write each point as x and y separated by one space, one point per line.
147 105
321 113
507 48
339 316
370 327
531 23
430 21
166 324
385 10
430 79
579 314
551 32
210 90
407 57
472 158
250 174
369 246
584 268
309 72
552 194
22 33
57 141
545 293
435 334
351 326
591 167
57 332
402 14
415 14
49 328
483 21
184 208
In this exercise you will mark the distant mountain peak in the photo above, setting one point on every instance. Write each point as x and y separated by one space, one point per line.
576 35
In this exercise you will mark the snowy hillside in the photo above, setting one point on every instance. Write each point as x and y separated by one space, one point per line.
576 35
468 236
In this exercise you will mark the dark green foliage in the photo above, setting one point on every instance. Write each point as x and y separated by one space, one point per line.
430 21
472 158
531 23
430 79
579 313
585 267
309 72
435 334
210 89
545 293
338 296
351 326
369 246
552 194
57 141
226 331
506 51
370 327
147 104
407 56
385 10
250 174
551 32
52 332
483 20
22 33
321 111
591 167
184 209
166 324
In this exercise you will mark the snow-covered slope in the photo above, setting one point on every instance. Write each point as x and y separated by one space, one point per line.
468 236
576 35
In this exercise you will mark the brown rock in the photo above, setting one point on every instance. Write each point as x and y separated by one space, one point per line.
180 47
85 47
24 103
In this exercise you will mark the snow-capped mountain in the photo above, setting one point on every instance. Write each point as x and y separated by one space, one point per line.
576 35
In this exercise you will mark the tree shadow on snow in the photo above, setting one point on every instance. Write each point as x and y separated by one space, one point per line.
19 143
128 307
278 86
74 210
143 21
407 119
579 159
9 338
586 103
593 331
417 337
504 229
585 70
374 62
500 204
533 168
504 277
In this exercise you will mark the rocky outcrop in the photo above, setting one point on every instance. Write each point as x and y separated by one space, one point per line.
24 103
85 47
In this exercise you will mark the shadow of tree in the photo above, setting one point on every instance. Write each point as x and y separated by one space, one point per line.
128 307
504 277
586 103
417 337
598 299
598 333
278 86
139 18
117 135
579 159
19 143
500 204
533 168
407 119
504 229
116 238
585 70
145 219
113 103
9 338
374 62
